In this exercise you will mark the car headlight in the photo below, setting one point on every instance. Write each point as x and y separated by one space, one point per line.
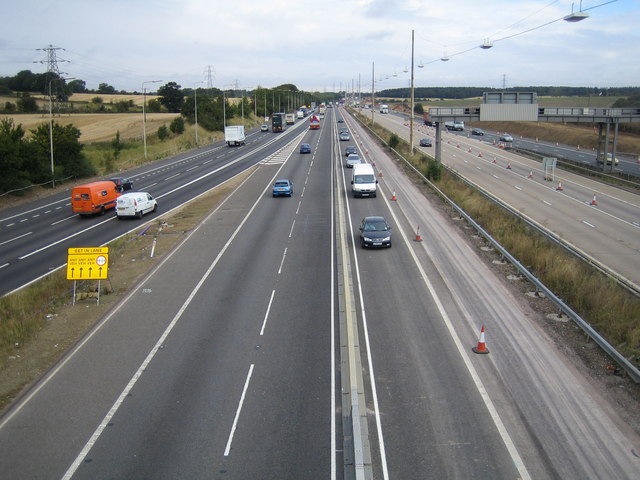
386 239
368 239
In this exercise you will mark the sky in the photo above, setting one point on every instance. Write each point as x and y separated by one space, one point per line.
325 45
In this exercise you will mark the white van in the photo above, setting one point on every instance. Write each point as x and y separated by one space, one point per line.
363 180
135 204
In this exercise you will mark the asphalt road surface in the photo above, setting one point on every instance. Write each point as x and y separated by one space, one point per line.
601 221
224 362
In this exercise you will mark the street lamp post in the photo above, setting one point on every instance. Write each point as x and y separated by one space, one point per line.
53 172
195 105
144 118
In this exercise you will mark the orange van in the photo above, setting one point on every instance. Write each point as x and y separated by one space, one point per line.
95 197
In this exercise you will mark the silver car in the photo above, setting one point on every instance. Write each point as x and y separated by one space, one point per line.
352 160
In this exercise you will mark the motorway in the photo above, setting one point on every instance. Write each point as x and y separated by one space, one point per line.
608 233
226 361
34 238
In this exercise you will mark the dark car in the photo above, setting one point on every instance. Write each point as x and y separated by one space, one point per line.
477 131
282 187
305 148
350 150
374 232
340 120
344 137
425 142
122 183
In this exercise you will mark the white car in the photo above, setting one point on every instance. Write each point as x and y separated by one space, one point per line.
135 204
505 137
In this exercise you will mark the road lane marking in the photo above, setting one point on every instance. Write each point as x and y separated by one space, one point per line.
63 220
284 255
493 412
588 224
266 315
172 176
16 238
235 420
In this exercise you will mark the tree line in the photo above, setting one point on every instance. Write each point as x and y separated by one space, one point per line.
26 161
472 92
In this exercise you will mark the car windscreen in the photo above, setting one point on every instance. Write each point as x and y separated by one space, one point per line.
367 178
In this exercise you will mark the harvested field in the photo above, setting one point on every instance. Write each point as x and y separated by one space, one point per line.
99 127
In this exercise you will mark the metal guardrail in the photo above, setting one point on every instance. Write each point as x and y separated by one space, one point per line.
631 369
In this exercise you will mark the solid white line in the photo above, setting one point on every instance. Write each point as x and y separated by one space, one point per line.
266 315
16 238
333 403
66 238
235 420
493 412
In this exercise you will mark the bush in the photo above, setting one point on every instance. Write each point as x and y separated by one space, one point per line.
394 141
163 133
177 125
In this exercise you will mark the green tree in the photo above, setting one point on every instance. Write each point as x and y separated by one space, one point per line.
123 106
171 97
117 145
177 126
394 140
153 106
13 151
77 86
418 108
26 103
67 151
105 88
163 133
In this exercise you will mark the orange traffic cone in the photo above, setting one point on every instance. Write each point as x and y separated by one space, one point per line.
480 154
559 187
494 159
509 166
593 202
380 173
530 174
393 196
481 347
418 237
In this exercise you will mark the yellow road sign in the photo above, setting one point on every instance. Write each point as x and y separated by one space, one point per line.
91 263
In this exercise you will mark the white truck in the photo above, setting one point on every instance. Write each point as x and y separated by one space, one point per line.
458 126
290 118
234 135
384 108
363 180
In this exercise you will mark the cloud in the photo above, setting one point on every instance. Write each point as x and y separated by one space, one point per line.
322 45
